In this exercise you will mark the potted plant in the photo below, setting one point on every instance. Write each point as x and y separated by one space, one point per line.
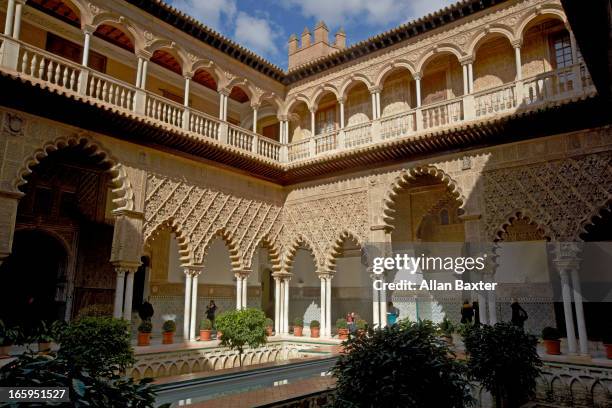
552 342
43 335
298 326
144 333
269 326
314 328
168 330
362 327
8 337
205 330
607 341
446 329
342 327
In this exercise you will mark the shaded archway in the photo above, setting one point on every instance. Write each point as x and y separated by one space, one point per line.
238 105
494 62
442 78
63 10
305 289
299 122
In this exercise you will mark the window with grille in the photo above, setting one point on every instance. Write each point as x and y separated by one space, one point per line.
325 120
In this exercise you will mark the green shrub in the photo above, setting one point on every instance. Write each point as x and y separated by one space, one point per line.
298 322
361 324
169 326
269 322
9 335
504 359
406 365
341 324
446 327
97 344
145 326
241 328
206 324
550 333
96 310
47 333
314 324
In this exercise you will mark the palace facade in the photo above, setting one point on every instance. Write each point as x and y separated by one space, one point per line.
145 156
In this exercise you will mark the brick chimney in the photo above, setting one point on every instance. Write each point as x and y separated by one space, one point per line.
308 50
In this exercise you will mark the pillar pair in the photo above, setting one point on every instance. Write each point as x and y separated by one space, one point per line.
326 323
192 272
241 289
281 302
567 263
124 290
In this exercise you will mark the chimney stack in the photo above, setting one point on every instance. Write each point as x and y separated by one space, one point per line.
340 39
321 33
293 44
305 38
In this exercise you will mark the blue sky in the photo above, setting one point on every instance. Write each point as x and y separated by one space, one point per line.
264 26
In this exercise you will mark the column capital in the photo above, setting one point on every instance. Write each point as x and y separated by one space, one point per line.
145 55
224 91
88 28
243 273
325 274
468 59
282 118
282 275
375 89
417 76
17 195
340 100
125 266
518 43
193 270
128 213
255 105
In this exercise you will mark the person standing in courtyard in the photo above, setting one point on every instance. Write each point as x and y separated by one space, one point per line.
211 309
467 312
476 309
519 315
392 314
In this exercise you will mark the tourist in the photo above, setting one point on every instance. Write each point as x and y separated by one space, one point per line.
350 320
145 311
467 312
476 309
519 315
211 309
392 314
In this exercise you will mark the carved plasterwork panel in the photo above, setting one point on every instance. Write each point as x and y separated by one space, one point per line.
559 195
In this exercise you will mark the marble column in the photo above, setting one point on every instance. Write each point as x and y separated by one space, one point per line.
194 304
286 306
10 18
17 25
417 80
277 304
129 294
517 61
582 333
328 293
323 304
341 103
187 312
119 290
566 292
238 291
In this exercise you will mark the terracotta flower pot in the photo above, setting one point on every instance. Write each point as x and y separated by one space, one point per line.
553 347
608 350
343 334
297 331
314 332
205 335
168 338
144 339
44 347
269 330
219 334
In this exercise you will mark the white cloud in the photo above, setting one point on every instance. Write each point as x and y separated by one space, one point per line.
256 34
375 13
214 13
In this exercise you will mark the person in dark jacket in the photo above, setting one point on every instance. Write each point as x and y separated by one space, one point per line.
476 309
145 311
211 309
467 312
519 315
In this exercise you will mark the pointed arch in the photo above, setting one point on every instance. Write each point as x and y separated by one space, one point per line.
527 216
122 189
273 253
335 249
297 242
591 218
236 259
184 244
404 180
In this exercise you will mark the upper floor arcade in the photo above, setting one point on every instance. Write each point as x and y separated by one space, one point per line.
506 58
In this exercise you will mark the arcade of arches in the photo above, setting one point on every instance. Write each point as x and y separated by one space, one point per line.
93 214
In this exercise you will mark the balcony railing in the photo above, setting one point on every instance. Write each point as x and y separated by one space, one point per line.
57 72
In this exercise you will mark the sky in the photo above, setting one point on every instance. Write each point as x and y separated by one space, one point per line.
264 26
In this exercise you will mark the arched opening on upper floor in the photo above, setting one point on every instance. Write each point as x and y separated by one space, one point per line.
238 105
327 115
398 91
205 78
203 96
358 103
116 36
442 78
267 120
167 60
494 62
60 260
299 122
64 10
